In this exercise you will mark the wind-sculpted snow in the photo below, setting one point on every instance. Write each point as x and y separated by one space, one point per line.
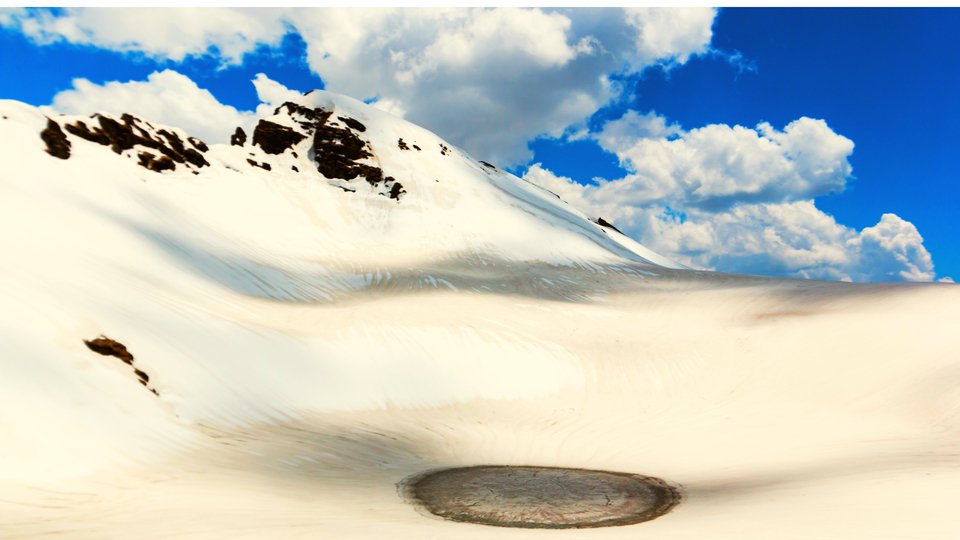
313 341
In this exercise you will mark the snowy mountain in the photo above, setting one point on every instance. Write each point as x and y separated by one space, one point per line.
262 339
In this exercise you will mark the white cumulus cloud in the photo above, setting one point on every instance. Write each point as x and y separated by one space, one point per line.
167 97
159 32
670 35
10 16
717 166
741 200
271 94
489 80
894 248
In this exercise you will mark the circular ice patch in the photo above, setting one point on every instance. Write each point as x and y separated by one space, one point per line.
540 497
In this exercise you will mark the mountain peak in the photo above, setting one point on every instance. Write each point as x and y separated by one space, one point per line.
336 143
398 190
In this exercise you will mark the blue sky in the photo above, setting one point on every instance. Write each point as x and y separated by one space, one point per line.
886 79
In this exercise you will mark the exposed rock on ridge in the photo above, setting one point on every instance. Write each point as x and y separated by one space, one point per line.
161 149
57 143
239 138
274 138
335 143
338 150
604 223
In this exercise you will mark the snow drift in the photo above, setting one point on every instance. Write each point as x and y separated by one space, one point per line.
341 299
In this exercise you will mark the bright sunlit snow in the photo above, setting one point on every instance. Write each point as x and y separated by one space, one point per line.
312 341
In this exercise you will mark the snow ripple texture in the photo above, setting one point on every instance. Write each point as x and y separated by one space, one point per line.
312 342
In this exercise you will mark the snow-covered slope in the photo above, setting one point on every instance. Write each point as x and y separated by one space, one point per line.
342 299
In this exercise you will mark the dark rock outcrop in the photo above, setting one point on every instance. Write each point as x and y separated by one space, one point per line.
604 223
274 138
198 144
124 135
404 146
396 190
57 143
336 146
352 123
239 137
265 166
303 116
109 347
338 152
151 162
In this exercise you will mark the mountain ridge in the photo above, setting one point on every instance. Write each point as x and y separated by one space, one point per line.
326 133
